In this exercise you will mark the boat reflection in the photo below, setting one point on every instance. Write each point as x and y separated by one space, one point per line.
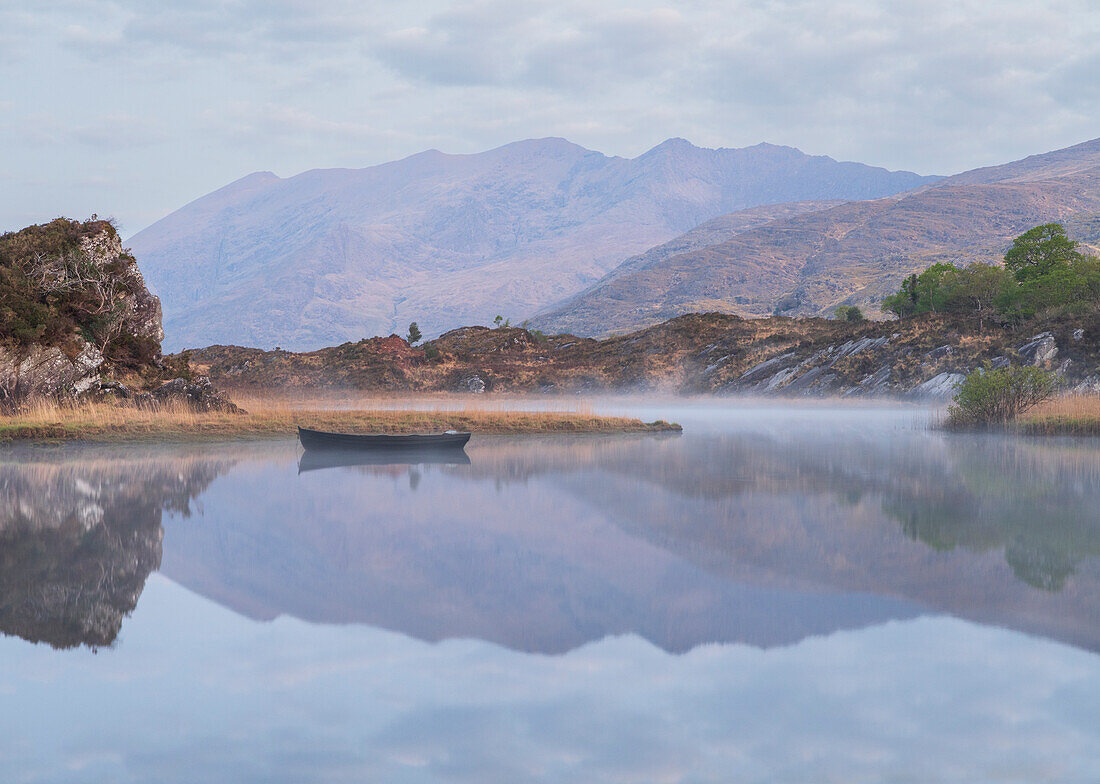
319 459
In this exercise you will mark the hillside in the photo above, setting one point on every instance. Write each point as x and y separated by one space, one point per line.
334 255
853 253
713 353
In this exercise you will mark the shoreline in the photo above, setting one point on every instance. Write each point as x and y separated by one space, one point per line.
114 424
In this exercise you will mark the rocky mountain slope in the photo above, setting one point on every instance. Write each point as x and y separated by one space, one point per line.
919 358
333 255
808 262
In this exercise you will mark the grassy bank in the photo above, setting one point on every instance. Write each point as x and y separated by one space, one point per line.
1077 415
92 422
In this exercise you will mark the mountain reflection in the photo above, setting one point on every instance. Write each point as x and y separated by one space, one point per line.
542 544
79 535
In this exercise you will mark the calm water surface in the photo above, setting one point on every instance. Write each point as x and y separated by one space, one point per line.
787 595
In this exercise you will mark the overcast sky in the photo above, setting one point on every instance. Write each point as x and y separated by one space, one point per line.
131 108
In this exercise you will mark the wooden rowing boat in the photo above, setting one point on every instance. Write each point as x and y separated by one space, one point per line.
319 439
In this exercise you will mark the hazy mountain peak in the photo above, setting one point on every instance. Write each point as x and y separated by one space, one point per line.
806 260
338 254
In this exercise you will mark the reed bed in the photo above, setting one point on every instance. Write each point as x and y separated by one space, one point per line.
1069 415
277 418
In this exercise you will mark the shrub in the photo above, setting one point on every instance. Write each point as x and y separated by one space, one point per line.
849 313
431 353
989 396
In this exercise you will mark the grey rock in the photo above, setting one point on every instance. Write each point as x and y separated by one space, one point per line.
876 383
769 366
938 387
1042 348
1088 386
45 371
851 348
998 363
198 395
473 384
939 353
1078 334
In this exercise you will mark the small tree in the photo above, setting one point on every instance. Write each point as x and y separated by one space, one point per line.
849 313
1039 251
977 289
414 334
996 397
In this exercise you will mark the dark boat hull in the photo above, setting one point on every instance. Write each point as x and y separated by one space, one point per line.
319 439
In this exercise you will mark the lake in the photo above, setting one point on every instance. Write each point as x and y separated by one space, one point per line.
779 594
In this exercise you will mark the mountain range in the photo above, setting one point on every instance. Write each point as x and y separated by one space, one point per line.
334 255
811 260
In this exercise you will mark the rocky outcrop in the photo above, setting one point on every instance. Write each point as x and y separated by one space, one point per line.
1040 350
89 307
199 396
916 359
139 309
46 371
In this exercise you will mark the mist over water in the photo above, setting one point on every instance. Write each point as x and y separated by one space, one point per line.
782 593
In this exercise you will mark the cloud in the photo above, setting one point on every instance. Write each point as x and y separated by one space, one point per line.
489 43
935 86
106 133
244 121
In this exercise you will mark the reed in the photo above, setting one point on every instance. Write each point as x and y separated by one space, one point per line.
279 417
1069 415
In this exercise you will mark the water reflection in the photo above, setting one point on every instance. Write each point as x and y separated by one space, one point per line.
316 460
764 535
80 534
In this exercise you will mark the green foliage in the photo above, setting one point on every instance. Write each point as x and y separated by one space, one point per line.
1040 251
539 336
1042 272
414 334
849 313
502 322
996 397
52 293
431 353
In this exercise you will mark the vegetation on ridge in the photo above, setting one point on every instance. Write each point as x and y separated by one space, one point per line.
1044 275
52 293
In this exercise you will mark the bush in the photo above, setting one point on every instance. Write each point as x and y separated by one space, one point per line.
996 397
849 313
1042 272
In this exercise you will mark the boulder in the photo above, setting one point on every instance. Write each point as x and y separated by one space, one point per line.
45 371
1042 348
473 384
938 387
198 395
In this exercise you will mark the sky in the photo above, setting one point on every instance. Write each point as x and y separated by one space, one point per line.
132 108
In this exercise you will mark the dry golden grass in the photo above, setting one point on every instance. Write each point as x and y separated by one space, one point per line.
1069 415
275 418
